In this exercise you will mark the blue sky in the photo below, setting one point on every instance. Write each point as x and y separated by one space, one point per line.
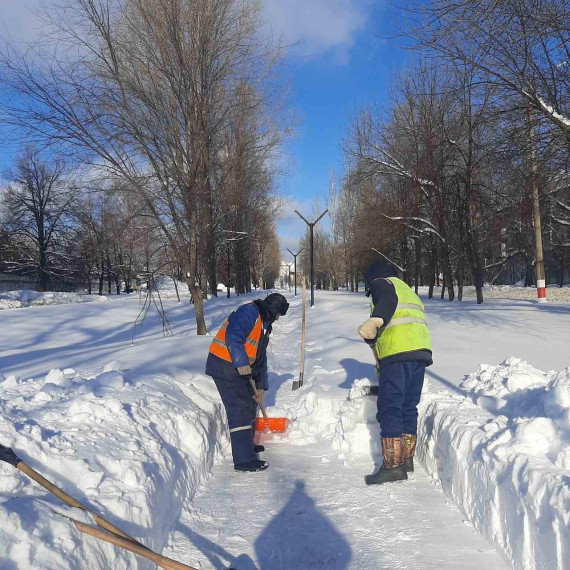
328 85
339 60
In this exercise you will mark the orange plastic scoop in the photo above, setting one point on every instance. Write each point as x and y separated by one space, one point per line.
278 425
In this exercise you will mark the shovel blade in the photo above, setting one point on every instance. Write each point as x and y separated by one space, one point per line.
278 425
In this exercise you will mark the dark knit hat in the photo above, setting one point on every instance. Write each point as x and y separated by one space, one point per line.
276 304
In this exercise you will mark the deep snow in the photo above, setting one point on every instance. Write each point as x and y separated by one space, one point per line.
138 441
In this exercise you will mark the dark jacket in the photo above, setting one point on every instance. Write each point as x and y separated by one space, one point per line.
385 302
241 322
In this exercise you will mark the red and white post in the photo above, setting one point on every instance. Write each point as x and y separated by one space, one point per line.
541 290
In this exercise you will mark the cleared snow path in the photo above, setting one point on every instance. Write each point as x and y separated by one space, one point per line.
311 509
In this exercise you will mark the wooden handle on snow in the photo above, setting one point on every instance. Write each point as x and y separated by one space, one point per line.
115 540
70 501
111 533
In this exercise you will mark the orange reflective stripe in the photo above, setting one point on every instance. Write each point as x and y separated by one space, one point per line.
219 348
252 341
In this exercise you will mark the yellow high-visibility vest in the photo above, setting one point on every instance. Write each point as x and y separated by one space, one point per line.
407 329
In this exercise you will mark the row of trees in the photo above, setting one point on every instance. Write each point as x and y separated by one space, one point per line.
465 173
176 109
59 234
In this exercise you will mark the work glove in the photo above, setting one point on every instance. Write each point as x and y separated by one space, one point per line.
369 329
260 394
244 370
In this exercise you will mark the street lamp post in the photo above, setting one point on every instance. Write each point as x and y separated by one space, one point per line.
311 226
289 275
295 265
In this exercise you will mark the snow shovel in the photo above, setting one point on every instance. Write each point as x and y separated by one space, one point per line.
298 383
264 424
111 533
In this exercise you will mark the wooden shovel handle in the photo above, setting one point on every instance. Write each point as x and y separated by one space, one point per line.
373 347
115 540
70 501
256 394
113 535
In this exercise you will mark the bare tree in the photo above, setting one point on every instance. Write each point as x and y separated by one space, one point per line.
38 203
520 48
146 99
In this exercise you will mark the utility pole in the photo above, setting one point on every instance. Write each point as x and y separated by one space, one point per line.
289 275
311 226
295 262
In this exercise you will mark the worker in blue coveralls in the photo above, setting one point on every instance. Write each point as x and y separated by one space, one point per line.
238 353
398 334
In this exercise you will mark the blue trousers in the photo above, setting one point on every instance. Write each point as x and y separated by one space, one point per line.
240 407
399 392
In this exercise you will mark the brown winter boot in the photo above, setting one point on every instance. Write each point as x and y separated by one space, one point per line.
393 468
409 440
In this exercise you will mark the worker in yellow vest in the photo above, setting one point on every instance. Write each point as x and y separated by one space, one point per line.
398 334
238 353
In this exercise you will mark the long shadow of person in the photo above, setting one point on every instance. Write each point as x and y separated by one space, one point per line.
218 557
301 537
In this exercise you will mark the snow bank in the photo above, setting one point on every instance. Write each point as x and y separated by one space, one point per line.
502 454
134 450
27 298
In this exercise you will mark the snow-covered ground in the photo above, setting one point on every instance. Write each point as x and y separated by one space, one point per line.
138 432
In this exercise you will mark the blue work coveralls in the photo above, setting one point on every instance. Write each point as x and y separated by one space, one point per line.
234 389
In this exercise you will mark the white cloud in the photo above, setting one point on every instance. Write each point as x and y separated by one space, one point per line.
318 26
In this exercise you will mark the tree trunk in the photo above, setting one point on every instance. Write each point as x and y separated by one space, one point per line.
406 277
436 265
101 277
475 264
43 275
539 265
176 287
191 270
447 272
417 264
529 276
460 278
432 269
109 278
204 286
